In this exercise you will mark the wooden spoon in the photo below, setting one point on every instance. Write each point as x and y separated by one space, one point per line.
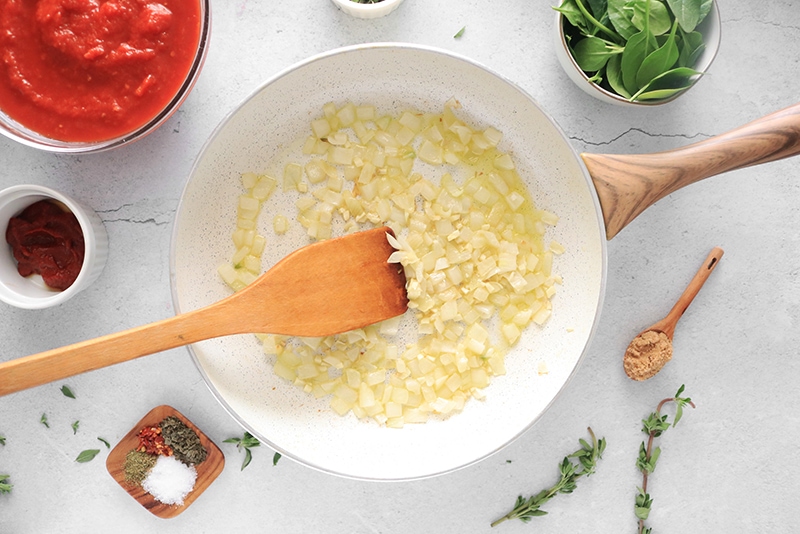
323 289
652 348
627 184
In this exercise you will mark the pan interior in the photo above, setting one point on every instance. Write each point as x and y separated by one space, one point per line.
393 78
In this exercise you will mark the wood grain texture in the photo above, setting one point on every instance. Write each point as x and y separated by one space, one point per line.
207 471
670 321
323 289
628 184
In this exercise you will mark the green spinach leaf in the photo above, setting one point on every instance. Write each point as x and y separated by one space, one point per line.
574 16
659 61
598 8
620 13
676 79
638 47
652 14
614 75
689 13
592 53
691 46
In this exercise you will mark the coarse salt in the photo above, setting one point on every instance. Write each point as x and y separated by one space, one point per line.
170 480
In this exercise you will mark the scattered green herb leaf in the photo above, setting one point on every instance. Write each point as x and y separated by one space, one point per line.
582 462
628 46
67 392
87 455
2 440
75 426
275 458
5 486
246 442
655 425
459 33
106 443
43 420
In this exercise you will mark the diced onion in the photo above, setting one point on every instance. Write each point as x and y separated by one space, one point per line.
477 269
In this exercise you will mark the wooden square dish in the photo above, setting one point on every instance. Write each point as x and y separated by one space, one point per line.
207 470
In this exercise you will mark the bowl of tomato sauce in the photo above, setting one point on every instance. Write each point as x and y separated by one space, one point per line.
80 76
55 247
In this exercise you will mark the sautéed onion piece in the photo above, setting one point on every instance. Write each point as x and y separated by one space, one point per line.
469 237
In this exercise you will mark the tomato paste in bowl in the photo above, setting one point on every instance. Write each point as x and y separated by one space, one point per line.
55 247
85 75
47 240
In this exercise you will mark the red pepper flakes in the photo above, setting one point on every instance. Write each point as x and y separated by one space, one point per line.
152 442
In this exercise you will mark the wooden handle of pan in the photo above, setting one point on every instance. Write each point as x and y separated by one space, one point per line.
629 184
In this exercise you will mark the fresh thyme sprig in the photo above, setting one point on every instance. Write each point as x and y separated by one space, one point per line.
654 426
246 442
584 464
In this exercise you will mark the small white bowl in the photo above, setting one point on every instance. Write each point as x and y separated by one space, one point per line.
367 11
710 28
30 292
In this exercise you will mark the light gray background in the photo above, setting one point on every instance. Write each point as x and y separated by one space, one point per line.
730 466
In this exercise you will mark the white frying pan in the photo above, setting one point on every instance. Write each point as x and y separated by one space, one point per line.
593 205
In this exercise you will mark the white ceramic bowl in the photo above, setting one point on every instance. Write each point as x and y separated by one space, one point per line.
710 28
31 292
27 136
367 11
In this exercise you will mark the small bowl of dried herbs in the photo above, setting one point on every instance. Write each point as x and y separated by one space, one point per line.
367 9
165 462
636 52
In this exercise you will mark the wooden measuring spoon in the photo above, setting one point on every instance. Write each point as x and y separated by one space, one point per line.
652 348
323 289
627 184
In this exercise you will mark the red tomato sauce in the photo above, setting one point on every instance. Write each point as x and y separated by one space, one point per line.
47 240
90 70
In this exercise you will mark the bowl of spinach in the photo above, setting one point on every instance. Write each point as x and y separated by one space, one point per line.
641 52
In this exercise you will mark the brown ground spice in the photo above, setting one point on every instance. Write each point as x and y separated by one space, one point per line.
647 354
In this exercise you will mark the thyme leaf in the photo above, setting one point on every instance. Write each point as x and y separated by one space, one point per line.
582 462
5 486
2 440
87 455
43 420
75 426
275 458
654 425
246 442
106 443
460 32
67 392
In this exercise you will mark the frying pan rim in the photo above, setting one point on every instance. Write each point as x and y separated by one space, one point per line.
427 49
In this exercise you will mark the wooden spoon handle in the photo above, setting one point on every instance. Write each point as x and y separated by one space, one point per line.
629 184
691 291
56 364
